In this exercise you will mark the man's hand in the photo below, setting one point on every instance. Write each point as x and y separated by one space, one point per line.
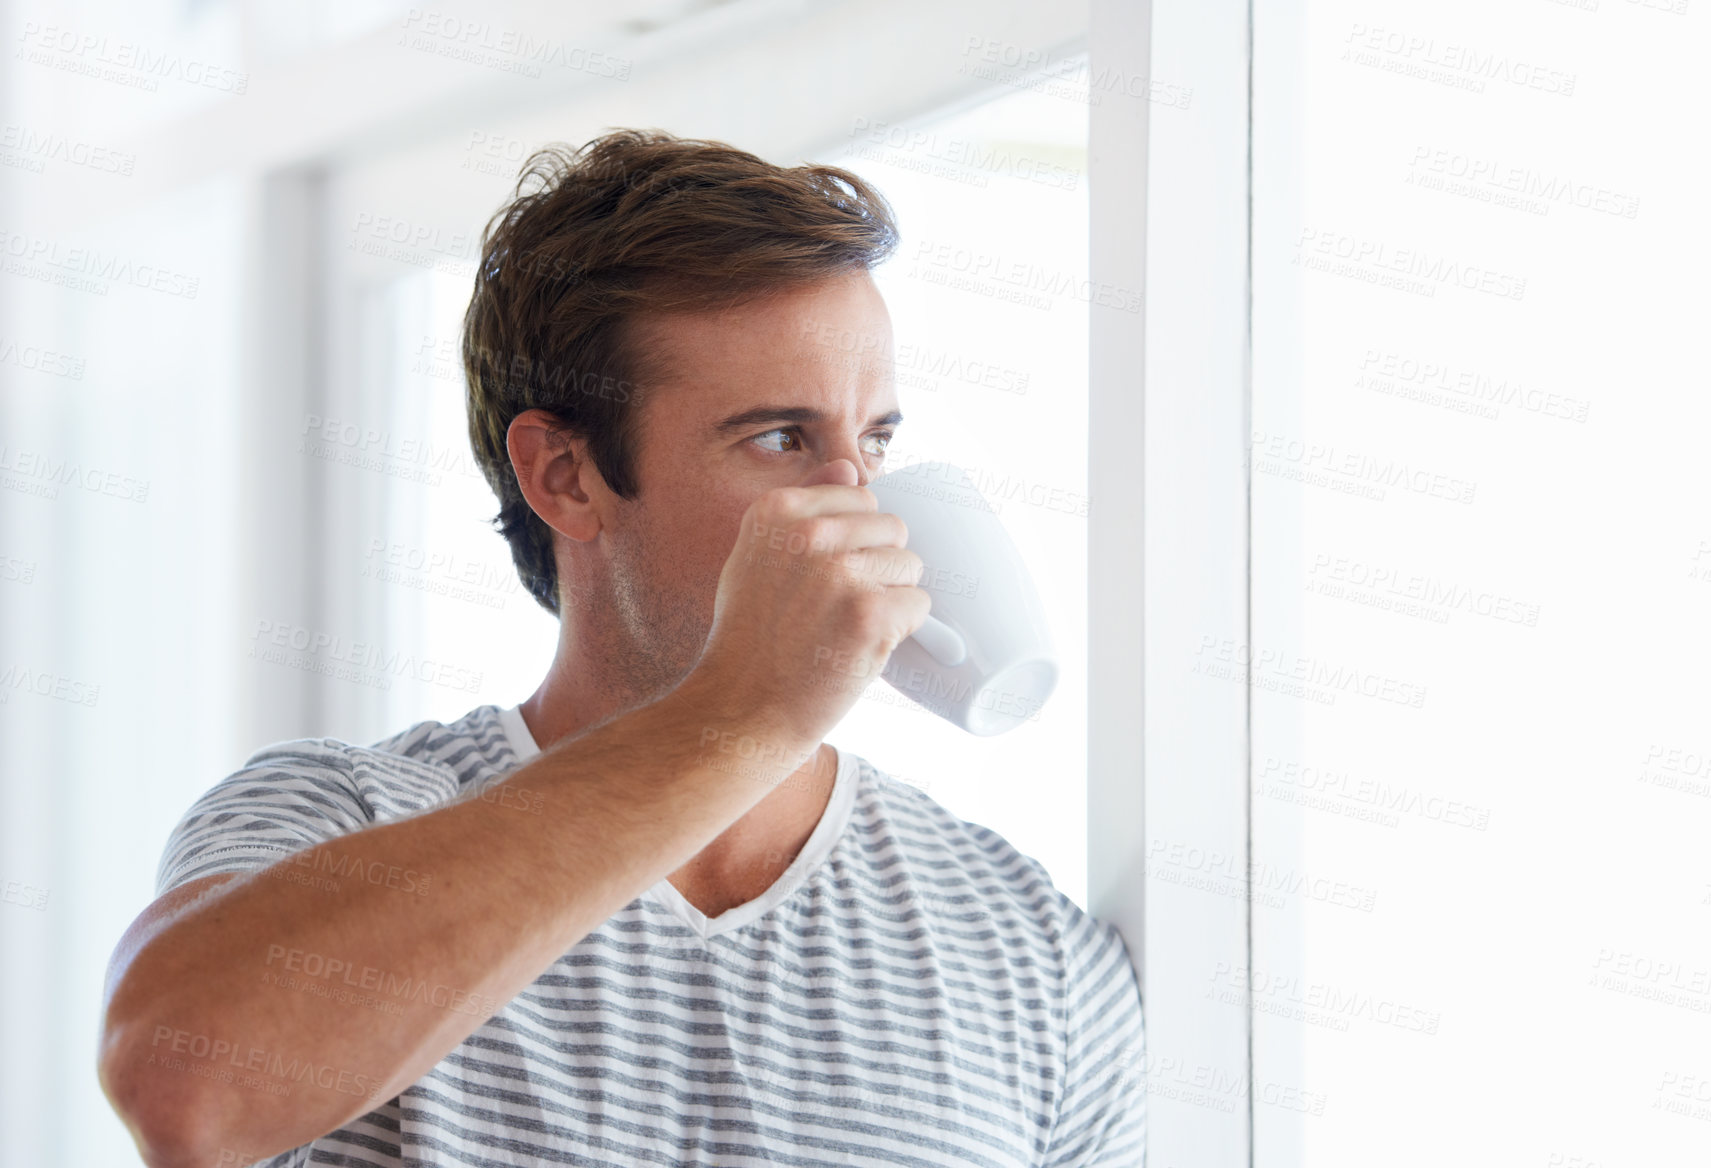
817 593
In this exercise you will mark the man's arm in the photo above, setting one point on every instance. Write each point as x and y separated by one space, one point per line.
622 805
195 981
1101 1120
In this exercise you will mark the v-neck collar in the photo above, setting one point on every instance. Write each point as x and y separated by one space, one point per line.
819 846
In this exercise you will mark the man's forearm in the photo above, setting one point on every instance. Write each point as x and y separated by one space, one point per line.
358 993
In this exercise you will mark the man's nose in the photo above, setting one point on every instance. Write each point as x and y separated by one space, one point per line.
839 470
850 451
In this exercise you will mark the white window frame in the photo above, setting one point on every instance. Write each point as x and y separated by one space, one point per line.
1169 545
1169 539
1169 407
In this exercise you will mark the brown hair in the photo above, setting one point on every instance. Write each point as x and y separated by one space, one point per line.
634 221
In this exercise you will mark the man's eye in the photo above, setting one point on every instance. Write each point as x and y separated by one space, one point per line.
883 439
786 430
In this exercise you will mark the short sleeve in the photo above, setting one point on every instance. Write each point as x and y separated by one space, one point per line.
288 797
1101 1120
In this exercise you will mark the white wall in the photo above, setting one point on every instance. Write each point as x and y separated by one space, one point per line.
1480 537
152 603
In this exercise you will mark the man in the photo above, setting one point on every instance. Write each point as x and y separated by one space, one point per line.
648 916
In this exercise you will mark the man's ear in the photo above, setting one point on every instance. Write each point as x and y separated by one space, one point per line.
558 479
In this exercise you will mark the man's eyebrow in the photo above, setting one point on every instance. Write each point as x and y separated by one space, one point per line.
796 415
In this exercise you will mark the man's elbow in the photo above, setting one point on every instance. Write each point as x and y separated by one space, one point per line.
166 1112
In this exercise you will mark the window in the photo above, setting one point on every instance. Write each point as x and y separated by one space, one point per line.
991 376
1480 549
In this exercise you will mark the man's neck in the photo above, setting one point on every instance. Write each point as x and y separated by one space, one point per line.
748 857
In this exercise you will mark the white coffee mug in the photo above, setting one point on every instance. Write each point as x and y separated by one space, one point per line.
984 660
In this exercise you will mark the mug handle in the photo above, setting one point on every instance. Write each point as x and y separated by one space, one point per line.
943 643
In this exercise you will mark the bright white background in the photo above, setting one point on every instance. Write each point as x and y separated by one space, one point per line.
285 448
1482 925
1560 953
997 387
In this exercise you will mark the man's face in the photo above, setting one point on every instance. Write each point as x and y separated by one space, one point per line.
745 400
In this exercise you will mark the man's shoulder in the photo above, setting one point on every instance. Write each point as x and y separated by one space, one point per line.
292 794
923 822
471 743
420 764
951 850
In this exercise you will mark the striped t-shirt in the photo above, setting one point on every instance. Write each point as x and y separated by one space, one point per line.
911 991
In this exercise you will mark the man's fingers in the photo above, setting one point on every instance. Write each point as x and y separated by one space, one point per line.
827 499
891 567
847 534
